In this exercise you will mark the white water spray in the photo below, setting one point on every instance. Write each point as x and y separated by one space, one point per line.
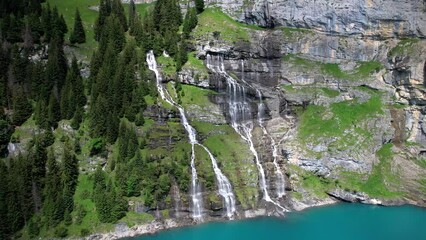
280 185
225 188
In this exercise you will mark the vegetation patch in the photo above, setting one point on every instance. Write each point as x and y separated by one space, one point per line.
197 66
213 20
331 93
319 121
362 71
405 46
377 183
167 65
234 159
196 95
317 186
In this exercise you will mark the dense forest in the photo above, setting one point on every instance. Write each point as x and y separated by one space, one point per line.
41 84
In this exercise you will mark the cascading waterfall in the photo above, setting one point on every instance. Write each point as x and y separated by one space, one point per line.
240 116
224 186
280 185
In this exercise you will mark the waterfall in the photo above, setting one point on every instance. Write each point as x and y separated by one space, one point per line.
279 174
240 116
224 186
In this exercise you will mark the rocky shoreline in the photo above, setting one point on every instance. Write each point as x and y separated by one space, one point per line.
336 196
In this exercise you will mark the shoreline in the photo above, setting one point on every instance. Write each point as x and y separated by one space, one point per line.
156 226
122 231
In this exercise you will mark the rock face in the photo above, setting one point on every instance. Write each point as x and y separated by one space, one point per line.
378 18
325 66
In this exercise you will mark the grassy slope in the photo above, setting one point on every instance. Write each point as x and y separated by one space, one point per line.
214 20
88 16
378 183
362 71
318 122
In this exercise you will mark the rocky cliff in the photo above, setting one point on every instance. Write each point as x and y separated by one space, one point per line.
344 108
378 18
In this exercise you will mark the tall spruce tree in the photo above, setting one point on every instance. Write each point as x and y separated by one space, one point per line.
78 34
21 107
118 10
132 14
104 12
199 5
69 177
53 203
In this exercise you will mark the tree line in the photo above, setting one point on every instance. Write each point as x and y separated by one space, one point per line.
38 81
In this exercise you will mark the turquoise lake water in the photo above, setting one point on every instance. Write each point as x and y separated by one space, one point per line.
343 221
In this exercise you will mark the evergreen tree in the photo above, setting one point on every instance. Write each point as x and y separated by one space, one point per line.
38 158
118 10
190 22
78 86
67 99
104 12
6 131
4 223
69 177
53 203
53 111
132 14
78 35
56 69
98 117
199 5
21 107
46 20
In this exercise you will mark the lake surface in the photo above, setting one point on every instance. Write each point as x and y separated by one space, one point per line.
342 221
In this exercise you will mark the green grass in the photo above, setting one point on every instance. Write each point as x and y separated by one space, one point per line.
288 88
319 121
314 185
362 71
167 65
234 159
422 185
291 32
331 93
196 65
377 183
405 46
421 162
133 218
196 95
214 20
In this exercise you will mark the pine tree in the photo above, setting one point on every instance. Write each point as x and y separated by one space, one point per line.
21 107
104 12
78 35
118 10
53 111
56 68
38 158
78 86
53 203
69 177
98 117
66 99
199 5
190 22
4 223
132 14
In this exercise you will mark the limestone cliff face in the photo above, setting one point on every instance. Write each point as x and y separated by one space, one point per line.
325 66
381 18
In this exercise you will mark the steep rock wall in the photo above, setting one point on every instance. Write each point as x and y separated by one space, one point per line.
367 17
